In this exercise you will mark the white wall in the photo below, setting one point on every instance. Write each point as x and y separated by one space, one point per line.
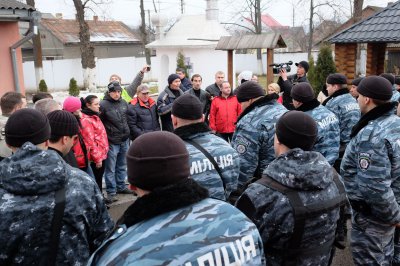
205 62
57 73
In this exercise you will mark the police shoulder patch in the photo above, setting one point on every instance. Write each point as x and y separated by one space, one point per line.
241 144
364 160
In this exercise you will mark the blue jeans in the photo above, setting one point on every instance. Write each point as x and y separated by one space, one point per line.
115 170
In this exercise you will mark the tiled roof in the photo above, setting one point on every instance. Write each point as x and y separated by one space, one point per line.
384 26
67 31
13 4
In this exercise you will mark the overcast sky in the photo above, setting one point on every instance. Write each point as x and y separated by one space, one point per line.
128 10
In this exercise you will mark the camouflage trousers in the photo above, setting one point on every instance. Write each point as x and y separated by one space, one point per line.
371 241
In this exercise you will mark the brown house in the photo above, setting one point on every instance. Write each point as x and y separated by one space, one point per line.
378 32
60 39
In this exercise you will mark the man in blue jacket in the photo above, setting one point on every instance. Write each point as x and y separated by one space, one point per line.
371 174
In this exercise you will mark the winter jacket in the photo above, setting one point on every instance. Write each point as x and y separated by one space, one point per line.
311 176
201 169
129 91
113 115
371 165
213 90
286 88
29 180
396 94
328 139
95 136
186 84
164 107
5 151
142 118
254 136
80 151
224 113
205 99
346 109
178 225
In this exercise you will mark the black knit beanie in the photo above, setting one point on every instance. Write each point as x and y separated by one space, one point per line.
356 81
297 130
375 87
336 78
388 76
187 107
249 90
114 86
63 123
302 92
397 80
26 125
157 159
172 77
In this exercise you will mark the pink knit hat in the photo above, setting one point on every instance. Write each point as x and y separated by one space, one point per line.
72 104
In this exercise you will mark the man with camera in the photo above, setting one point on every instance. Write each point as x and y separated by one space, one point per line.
287 82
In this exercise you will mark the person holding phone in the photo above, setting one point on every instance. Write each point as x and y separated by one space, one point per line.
129 92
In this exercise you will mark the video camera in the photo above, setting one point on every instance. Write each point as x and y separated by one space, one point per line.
276 68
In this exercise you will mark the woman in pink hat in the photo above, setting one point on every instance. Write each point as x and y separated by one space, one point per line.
73 105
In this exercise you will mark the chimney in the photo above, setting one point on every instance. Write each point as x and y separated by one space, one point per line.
159 22
212 10
59 15
95 18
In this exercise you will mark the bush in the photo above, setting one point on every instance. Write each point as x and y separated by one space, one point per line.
73 88
325 66
180 62
43 86
311 75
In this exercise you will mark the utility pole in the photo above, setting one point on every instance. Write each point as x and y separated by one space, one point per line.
37 52
182 6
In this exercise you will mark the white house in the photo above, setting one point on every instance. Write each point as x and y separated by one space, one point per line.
196 36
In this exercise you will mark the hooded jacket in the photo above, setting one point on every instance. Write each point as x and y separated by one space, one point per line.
254 136
113 115
311 175
95 136
224 113
28 182
164 107
142 118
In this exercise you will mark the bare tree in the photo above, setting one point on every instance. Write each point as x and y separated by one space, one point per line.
87 49
144 32
37 52
314 11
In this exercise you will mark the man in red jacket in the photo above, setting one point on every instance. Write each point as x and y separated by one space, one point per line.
224 112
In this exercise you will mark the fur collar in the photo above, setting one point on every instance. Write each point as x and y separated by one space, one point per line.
89 112
186 132
163 200
267 99
372 115
309 106
335 94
